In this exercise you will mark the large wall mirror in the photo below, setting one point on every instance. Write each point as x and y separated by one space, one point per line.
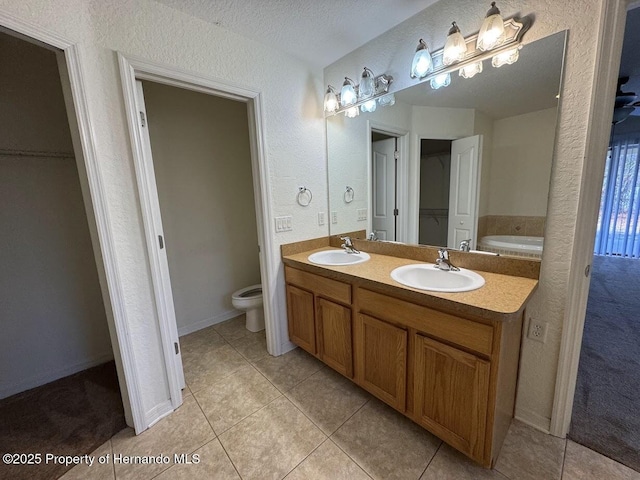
469 161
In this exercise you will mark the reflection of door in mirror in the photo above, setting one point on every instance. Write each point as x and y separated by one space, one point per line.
384 186
449 174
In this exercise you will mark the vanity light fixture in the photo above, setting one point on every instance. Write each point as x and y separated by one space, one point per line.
372 91
422 62
348 93
506 57
465 55
330 100
469 71
455 47
492 31
441 81
367 85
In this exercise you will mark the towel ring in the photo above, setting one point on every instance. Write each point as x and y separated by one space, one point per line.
304 196
348 195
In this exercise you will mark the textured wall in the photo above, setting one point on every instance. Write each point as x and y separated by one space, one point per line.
201 158
521 159
392 51
293 127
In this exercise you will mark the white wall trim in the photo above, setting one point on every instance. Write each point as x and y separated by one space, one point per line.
8 389
98 199
158 412
207 322
132 68
610 38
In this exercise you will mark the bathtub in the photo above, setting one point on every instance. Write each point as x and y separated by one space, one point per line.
512 245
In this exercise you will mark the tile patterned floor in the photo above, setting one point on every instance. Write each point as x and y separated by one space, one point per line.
248 415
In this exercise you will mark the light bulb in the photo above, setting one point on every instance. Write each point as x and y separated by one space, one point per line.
491 33
455 47
347 93
330 100
422 61
367 84
470 70
440 81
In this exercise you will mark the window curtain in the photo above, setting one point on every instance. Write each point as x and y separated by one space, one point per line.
618 230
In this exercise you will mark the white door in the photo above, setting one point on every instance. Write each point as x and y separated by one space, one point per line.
384 189
463 191
164 295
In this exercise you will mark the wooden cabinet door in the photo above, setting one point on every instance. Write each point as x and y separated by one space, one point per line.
382 360
300 311
451 389
333 331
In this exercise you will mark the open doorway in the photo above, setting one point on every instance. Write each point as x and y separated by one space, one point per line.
200 154
59 389
606 404
435 174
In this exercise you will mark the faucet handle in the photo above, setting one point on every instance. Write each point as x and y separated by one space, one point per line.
443 254
465 245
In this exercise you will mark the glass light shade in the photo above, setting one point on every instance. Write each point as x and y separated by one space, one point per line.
347 93
352 112
330 101
367 84
369 105
491 33
455 47
441 81
388 100
422 61
470 70
506 58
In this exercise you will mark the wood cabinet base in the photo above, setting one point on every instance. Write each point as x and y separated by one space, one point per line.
454 376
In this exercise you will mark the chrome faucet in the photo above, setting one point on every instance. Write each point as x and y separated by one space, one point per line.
348 245
443 262
373 236
465 245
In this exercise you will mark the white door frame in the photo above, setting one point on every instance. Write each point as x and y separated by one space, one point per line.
108 270
402 181
611 35
132 68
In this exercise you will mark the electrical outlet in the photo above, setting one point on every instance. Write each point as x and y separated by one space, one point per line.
537 330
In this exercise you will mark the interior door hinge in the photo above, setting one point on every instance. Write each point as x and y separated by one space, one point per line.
396 154
161 241
396 212
175 344
143 120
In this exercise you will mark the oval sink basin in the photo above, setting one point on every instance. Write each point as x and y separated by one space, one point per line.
338 257
425 276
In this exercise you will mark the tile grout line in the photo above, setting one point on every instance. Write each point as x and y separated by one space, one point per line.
113 464
431 459
308 455
564 458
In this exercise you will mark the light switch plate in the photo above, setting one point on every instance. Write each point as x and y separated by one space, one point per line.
321 218
284 224
334 217
362 214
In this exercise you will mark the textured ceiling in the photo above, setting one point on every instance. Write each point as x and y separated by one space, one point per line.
319 31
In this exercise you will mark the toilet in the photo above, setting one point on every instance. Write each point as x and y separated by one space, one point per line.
249 299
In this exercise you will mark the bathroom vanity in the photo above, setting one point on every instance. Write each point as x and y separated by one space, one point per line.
448 361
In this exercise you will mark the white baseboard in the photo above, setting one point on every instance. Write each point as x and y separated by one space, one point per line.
194 327
11 388
287 347
533 419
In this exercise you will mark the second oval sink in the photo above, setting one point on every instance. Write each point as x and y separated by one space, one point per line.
338 257
425 276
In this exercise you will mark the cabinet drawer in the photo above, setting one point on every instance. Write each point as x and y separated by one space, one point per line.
321 286
460 331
